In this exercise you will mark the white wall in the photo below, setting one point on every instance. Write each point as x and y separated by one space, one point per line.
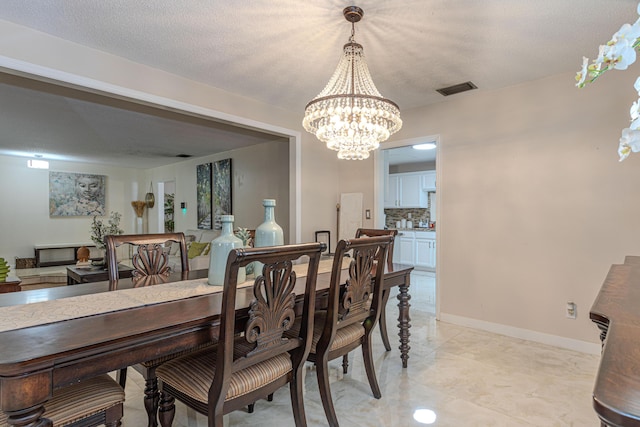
25 200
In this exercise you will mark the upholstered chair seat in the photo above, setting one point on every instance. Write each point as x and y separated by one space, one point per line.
93 402
345 336
193 374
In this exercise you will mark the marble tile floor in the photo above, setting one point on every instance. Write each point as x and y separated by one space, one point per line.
467 377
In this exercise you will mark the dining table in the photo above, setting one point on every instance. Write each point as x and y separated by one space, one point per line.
53 337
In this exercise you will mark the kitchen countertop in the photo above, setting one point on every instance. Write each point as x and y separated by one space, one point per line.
414 229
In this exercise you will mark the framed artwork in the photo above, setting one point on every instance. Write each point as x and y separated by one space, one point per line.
77 194
221 190
203 182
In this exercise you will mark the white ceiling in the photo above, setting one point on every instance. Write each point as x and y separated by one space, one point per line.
283 53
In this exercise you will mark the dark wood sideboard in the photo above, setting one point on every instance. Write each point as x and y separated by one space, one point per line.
616 312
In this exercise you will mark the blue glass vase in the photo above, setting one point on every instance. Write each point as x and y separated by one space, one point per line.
269 233
220 248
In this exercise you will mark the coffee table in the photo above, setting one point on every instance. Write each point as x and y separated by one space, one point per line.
76 275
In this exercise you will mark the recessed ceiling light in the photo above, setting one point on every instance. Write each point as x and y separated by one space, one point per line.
425 146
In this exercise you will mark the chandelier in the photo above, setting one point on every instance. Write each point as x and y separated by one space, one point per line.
350 115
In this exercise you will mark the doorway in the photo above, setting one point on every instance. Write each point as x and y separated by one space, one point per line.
416 243
166 197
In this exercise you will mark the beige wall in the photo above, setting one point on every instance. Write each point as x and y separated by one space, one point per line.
535 206
259 172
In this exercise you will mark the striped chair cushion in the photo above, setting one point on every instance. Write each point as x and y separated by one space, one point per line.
75 402
193 374
344 336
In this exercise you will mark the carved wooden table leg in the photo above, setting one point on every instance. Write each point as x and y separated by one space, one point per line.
31 417
404 321
151 399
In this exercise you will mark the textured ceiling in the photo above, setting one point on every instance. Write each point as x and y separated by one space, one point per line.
284 52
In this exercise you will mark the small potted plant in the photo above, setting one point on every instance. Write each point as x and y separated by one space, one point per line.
99 230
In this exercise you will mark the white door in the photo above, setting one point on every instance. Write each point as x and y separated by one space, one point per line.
350 215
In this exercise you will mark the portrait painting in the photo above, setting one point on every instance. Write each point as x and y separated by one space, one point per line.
221 190
77 194
203 196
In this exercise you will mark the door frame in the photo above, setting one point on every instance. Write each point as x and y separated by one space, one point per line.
378 193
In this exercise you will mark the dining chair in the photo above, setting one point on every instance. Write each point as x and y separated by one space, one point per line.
150 257
93 402
374 232
245 367
151 267
352 313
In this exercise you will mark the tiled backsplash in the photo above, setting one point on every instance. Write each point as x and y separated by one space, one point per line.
417 215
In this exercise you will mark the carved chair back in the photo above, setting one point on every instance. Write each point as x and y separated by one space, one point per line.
272 311
359 300
374 232
150 260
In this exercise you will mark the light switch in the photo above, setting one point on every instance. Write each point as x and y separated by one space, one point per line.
367 214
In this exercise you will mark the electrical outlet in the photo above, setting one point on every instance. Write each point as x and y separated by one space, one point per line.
572 310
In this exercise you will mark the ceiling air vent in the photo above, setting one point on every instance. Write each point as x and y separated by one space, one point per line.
184 156
452 90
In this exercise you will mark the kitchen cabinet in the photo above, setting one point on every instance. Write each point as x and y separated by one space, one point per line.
404 190
417 248
428 181
392 194
425 251
405 242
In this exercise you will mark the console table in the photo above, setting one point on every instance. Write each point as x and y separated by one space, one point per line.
616 312
68 251
77 275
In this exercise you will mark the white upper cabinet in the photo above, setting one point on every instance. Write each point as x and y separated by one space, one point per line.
404 190
392 192
429 181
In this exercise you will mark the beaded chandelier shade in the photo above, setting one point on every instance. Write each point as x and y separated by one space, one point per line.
350 115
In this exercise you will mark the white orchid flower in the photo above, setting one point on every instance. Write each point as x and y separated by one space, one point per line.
627 32
636 85
619 53
629 142
633 111
582 74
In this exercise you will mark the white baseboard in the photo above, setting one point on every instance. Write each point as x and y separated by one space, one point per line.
525 334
